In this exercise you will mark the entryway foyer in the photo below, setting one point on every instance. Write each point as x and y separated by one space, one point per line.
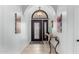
45 28
39 29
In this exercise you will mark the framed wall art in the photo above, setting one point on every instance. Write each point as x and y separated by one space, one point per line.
17 23
59 23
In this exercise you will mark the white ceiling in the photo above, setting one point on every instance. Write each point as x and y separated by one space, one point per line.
25 6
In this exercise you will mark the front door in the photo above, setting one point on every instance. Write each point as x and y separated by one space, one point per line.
39 28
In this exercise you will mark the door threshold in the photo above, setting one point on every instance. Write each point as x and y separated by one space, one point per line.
36 42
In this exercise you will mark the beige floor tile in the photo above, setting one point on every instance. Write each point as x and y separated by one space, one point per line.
36 49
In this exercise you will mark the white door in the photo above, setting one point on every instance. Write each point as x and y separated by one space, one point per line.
76 30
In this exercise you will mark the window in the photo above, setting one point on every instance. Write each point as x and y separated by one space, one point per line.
40 14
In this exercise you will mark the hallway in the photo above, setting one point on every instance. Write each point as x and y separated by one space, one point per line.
21 24
37 48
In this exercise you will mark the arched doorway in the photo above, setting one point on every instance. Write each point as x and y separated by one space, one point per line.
39 25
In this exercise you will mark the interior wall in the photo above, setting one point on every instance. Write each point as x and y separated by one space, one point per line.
1 8
66 37
11 42
76 29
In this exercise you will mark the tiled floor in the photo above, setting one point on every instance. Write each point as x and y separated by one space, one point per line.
36 48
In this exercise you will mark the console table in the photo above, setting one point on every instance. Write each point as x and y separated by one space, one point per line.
50 36
57 40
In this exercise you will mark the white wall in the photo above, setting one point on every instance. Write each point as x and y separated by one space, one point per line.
1 8
76 29
66 37
11 42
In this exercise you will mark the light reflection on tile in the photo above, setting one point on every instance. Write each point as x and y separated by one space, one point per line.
36 49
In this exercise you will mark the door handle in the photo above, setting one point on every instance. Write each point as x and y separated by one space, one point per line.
78 40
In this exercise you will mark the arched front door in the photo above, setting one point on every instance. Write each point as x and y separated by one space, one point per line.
39 25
